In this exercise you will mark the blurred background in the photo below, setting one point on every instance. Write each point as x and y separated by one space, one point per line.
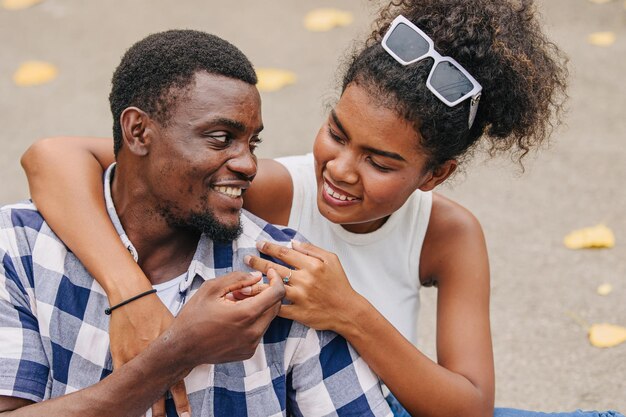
544 296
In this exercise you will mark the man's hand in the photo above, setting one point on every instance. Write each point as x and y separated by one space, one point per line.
215 328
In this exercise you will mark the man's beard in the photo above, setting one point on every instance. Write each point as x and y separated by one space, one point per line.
203 222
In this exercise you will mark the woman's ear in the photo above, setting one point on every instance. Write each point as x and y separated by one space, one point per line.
438 175
136 130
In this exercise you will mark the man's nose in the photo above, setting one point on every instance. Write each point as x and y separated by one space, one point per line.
243 162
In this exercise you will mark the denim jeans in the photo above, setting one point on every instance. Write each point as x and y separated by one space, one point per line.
399 411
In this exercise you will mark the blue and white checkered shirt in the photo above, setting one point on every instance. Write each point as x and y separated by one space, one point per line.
54 335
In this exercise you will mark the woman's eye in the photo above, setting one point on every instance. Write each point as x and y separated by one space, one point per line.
335 136
379 167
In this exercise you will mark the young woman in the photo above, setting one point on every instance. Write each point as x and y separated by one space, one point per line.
407 116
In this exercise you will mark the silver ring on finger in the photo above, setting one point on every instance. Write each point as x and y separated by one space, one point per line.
287 278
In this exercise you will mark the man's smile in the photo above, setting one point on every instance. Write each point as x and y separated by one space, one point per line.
233 192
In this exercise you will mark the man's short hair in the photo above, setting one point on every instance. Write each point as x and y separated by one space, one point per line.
163 61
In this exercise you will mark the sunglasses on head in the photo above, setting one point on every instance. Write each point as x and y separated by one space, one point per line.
448 80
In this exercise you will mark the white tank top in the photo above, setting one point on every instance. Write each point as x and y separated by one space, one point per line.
383 266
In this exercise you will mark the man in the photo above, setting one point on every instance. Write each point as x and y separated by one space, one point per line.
186 121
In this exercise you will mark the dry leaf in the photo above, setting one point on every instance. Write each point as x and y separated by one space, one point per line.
34 73
606 335
601 38
19 4
598 236
272 79
325 19
605 289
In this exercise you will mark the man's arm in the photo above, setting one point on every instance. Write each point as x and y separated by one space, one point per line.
210 329
327 374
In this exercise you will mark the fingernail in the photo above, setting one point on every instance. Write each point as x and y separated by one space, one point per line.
185 414
246 259
256 274
246 290
260 244
294 243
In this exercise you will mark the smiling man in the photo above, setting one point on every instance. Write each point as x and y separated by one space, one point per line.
187 117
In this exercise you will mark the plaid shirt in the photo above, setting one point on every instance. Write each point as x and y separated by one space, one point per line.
54 335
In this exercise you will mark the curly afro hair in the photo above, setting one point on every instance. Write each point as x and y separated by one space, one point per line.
501 44
152 67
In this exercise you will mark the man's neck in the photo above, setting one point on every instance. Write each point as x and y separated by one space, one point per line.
164 252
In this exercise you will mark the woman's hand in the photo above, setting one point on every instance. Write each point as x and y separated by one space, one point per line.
318 289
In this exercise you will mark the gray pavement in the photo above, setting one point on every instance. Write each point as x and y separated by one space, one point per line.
543 358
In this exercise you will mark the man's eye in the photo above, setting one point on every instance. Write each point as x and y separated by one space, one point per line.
255 142
222 137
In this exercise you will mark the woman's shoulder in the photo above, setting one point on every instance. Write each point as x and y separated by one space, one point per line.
270 195
450 218
453 235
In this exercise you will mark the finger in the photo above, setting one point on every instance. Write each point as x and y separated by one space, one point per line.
179 394
233 282
264 265
270 313
158 409
250 291
285 254
270 298
310 249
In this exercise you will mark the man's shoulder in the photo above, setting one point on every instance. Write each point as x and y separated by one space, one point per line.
20 226
21 214
24 232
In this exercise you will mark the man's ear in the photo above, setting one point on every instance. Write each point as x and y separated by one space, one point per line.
137 130
438 175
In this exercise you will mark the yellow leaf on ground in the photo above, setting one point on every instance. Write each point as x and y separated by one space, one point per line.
598 236
605 289
34 73
601 38
325 19
19 4
272 79
606 335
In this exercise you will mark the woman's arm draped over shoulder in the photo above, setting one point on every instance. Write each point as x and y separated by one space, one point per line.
65 181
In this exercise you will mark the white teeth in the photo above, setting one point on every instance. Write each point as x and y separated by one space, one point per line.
229 191
336 195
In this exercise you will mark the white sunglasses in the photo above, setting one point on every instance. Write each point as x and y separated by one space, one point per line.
448 80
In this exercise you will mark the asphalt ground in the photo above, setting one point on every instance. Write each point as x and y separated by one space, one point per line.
544 295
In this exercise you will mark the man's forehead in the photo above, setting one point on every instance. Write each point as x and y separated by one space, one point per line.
213 96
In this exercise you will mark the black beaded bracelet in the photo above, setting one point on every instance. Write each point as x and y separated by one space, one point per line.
108 311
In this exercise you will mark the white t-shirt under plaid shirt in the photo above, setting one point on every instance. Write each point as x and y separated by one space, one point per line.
54 339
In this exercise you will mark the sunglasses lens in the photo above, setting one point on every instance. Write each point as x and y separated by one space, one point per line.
406 43
450 82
